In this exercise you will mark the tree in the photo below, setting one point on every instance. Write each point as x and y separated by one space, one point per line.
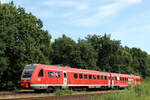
148 66
23 42
63 48
139 61
85 56
106 50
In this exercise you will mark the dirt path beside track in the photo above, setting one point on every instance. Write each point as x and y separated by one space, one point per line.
50 96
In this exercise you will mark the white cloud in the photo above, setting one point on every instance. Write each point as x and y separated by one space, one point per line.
97 18
74 4
109 9
16 2
87 13
147 27
134 1
3 1
103 12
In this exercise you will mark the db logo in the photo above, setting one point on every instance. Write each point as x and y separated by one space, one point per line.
39 79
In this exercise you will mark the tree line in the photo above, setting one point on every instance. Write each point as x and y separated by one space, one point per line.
23 41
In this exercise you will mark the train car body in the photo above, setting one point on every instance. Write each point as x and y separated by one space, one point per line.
38 76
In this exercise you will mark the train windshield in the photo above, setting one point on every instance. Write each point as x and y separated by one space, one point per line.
28 70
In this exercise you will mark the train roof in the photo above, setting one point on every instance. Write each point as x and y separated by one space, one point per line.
69 69
119 74
76 70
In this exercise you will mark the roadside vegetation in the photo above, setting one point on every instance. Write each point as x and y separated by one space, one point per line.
63 92
23 41
137 92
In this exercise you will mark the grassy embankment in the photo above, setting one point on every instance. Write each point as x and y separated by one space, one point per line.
137 92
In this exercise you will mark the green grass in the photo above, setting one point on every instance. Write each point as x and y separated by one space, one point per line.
137 92
23 90
63 92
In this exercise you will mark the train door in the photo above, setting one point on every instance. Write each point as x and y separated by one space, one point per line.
109 81
41 77
112 81
65 78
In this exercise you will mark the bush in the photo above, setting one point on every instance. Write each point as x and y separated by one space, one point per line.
59 92
68 92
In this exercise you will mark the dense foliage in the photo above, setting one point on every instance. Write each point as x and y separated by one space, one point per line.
100 53
23 41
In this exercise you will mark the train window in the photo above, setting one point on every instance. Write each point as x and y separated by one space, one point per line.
98 77
101 77
80 76
85 76
90 76
123 78
105 77
65 75
94 77
27 73
115 78
57 74
50 74
76 76
40 73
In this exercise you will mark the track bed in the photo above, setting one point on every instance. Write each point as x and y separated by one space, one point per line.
51 96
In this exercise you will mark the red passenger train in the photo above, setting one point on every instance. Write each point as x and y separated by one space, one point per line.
49 77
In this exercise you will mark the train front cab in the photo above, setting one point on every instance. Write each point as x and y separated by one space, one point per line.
26 76
33 77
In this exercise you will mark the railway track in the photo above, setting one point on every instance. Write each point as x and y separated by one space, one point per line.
50 96
15 93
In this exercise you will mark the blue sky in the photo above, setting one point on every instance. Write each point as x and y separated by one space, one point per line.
125 20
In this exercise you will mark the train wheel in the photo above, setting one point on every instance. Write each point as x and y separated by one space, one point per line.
84 89
38 91
50 90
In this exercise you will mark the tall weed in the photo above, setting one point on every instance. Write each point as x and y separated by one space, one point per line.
137 92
